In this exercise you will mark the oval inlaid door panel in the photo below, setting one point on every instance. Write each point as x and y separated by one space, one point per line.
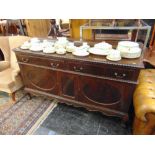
40 78
99 91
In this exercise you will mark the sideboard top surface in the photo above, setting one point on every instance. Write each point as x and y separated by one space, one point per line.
137 63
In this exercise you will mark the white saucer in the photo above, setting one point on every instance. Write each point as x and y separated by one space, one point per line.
61 51
97 51
80 54
49 50
24 47
36 49
113 59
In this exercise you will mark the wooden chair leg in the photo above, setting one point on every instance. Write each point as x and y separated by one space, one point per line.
13 96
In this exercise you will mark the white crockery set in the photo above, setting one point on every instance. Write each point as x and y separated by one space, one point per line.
125 49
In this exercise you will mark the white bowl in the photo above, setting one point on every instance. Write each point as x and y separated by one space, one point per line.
26 45
34 40
84 46
70 48
61 51
114 55
49 50
47 44
113 58
36 47
60 44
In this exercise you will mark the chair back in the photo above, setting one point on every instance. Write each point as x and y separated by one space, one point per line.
14 42
5 48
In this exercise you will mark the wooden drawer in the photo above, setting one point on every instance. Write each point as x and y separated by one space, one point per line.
83 68
104 70
53 63
122 73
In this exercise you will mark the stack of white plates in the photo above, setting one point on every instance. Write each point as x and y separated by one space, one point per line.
129 49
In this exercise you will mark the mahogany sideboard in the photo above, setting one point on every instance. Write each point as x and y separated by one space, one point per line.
91 82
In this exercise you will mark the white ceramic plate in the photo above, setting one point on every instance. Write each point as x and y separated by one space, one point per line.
80 54
49 50
61 51
36 49
113 59
34 40
24 47
70 48
97 51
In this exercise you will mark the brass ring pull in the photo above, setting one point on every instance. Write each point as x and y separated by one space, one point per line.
78 70
54 65
25 60
119 76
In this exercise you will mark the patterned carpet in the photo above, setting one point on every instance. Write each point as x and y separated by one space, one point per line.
24 116
6 102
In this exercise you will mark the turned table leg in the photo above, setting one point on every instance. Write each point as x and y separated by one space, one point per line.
29 96
13 97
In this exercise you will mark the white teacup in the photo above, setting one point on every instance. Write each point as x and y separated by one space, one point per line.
49 50
61 51
26 44
34 40
114 55
71 48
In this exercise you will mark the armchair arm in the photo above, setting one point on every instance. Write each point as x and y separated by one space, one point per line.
15 73
4 65
144 95
144 106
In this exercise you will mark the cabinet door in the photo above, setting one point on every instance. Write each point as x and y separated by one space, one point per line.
68 85
39 78
105 93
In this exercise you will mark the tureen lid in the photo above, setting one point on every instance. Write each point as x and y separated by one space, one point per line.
128 44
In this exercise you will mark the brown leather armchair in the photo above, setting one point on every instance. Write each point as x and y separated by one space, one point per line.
144 103
10 80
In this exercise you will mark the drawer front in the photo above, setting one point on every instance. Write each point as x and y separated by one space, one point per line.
85 68
104 70
122 73
53 63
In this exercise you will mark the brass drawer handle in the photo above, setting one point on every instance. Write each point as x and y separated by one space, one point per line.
120 76
25 60
78 69
54 65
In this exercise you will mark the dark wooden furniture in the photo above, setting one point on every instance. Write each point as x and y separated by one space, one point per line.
149 57
91 82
